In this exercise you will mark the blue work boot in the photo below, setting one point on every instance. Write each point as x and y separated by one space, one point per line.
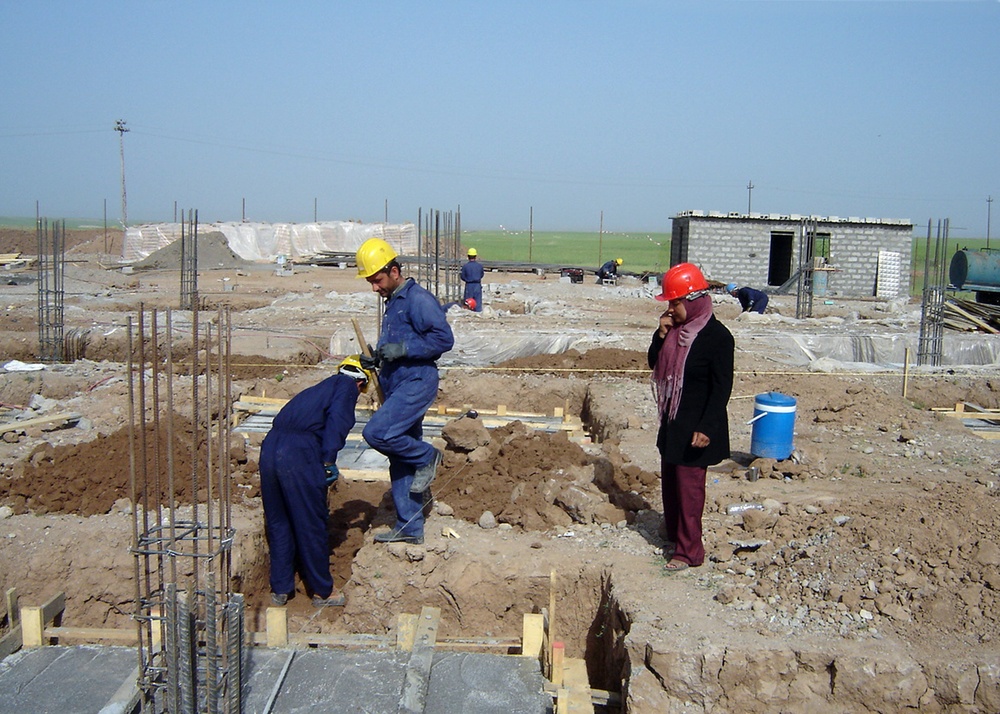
395 536
426 473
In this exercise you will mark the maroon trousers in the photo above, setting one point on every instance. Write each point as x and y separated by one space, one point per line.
683 504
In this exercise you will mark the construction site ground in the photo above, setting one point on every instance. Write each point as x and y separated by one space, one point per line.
867 580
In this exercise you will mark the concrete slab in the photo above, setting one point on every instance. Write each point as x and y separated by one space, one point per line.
64 680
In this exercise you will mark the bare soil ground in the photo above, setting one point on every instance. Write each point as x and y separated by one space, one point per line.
868 579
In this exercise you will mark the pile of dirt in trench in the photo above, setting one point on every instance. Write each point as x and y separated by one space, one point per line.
535 480
87 479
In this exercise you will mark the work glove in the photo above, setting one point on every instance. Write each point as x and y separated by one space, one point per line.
392 351
332 473
369 362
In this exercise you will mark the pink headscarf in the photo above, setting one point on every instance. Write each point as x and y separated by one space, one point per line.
668 375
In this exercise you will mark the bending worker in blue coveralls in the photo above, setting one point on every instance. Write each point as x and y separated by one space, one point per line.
609 271
298 462
472 276
750 300
415 333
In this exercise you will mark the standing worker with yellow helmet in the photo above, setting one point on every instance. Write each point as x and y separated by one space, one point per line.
415 333
472 276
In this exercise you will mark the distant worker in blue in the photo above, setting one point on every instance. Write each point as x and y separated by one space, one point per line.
750 300
472 276
609 271
298 462
415 333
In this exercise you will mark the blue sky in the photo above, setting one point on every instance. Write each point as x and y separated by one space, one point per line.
635 108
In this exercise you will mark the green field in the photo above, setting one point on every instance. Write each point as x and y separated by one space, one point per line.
641 252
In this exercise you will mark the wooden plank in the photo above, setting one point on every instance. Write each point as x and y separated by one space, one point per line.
361 475
406 631
11 642
575 680
32 626
532 635
277 627
558 663
62 416
418 671
53 609
91 634
12 609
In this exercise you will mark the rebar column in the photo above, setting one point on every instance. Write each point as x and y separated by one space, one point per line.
51 290
190 625
930 343
189 261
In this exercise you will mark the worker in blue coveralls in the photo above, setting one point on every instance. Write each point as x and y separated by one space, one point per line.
298 462
415 333
472 276
750 300
609 271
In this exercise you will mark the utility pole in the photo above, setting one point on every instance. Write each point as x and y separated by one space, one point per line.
122 129
989 205
749 195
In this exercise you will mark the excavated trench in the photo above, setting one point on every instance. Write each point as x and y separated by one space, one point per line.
483 588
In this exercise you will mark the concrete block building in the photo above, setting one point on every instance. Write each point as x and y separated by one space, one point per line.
848 257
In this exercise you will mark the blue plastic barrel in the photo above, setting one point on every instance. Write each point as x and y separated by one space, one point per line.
773 426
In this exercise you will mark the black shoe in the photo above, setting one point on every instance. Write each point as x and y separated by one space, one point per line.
335 599
279 599
425 474
397 537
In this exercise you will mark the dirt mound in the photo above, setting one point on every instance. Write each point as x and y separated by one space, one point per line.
213 252
87 479
599 360
533 480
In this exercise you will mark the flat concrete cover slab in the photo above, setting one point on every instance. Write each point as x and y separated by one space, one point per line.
64 680
372 682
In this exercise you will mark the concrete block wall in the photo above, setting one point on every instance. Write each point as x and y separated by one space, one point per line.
737 249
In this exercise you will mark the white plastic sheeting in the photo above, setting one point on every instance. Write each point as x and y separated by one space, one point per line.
264 242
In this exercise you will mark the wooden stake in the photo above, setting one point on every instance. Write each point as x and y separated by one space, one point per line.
277 627
532 634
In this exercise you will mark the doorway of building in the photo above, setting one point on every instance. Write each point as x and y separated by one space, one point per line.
779 264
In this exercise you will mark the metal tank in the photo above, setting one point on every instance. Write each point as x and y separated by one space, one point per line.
979 271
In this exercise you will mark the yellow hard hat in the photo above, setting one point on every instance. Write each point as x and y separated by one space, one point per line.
619 261
472 253
373 255
351 366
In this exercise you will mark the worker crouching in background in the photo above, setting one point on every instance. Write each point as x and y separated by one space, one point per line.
415 333
750 300
691 355
298 462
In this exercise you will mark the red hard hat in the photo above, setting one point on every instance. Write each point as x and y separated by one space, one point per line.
682 280
470 303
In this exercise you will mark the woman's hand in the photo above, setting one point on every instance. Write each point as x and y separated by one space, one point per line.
666 322
699 440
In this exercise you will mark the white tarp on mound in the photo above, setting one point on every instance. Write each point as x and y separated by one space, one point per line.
264 242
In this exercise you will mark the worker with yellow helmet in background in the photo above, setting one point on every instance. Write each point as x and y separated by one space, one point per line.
609 271
472 276
415 333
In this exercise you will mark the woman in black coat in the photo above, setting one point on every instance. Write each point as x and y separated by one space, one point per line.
691 355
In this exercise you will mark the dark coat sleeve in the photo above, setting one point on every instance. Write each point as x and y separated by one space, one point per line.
708 384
